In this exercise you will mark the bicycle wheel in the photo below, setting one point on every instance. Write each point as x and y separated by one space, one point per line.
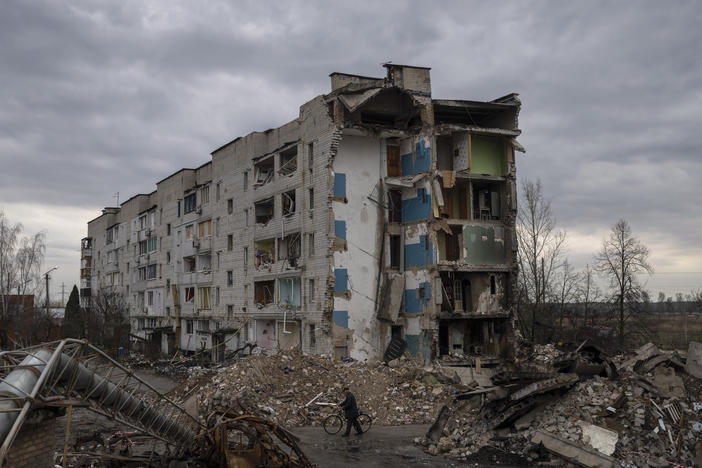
365 421
332 424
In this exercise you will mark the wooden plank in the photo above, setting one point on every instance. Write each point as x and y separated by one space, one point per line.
394 166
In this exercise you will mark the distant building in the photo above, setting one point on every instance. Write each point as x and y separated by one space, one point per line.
378 220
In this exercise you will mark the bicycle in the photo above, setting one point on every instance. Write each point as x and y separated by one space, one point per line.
333 423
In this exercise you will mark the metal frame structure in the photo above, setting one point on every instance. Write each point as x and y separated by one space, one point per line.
73 372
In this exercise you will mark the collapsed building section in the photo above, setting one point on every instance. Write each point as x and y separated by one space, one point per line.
380 220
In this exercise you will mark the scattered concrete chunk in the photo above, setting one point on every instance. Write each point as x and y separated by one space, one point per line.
572 452
599 438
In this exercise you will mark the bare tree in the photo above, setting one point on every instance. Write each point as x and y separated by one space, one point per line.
540 247
565 290
107 322
20 265
589 293
621 257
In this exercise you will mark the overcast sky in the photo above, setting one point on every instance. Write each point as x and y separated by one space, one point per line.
99 97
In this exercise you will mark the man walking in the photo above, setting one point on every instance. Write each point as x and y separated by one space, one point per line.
351 412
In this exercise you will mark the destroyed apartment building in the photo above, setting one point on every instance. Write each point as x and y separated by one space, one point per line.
379 220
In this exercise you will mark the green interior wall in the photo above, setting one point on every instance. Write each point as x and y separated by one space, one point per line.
481 247
488 155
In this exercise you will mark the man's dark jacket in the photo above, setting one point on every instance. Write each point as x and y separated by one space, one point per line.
349 406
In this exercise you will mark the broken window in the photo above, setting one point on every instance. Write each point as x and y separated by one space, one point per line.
456 200
265 253
189 264
310 199
457 293
486 201
395 251
263 210
288 161
205 194
230 242
263 171
289 206
190 294
204 262
394 206
151 272
394 166
289 291
313 337
189 232
289 248
189 327
246 180
310 290
450 244
246 259
230 278
263 292
190 202
230 206
445 152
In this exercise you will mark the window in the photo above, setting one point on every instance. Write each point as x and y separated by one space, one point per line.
168 229
246 180
189 232
246 217
493 285
288 161
150 298
216 231
168 257
141 273
263 210
230 278
310 156
263 292
217 296
246 259
142 222
142 247
230 206
217 191
395 251
204 229
218 255
109 236
179 208
189 327
310 200
190 202
394 206
246 296
230 242
263 171
152 244
230 310
204 296
190 294
151 271
168 311
310 244
189 264
310 290
205 194
288 202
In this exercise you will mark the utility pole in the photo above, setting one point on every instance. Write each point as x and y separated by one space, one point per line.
46 277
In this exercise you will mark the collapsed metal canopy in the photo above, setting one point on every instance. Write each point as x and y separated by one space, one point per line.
56 374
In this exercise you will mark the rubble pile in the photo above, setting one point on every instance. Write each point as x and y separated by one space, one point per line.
281 387
639 411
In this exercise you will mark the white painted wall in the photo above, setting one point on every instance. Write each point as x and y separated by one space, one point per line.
361 159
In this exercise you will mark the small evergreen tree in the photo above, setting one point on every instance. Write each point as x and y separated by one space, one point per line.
72 319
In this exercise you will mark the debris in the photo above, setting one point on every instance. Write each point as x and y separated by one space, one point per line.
572 452
694 359
599 438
